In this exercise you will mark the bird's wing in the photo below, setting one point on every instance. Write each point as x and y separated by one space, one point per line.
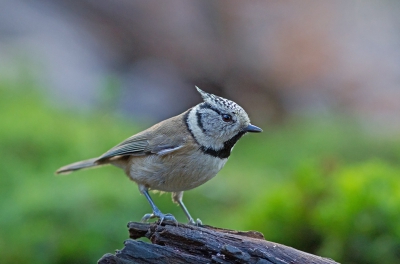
135 145
165 144
158 141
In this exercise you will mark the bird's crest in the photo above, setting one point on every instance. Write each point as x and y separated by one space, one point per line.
218 101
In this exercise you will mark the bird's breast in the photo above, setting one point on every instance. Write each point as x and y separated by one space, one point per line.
175 172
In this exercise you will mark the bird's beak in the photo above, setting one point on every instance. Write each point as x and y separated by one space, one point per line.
251 128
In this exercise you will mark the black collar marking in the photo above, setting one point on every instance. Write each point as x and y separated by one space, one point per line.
186 120
225 152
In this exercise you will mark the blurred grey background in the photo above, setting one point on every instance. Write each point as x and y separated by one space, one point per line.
276 58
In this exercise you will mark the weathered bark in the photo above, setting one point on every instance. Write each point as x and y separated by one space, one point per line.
206 244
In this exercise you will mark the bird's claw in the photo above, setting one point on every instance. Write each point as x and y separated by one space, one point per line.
147 217
170 218
195 223
161 216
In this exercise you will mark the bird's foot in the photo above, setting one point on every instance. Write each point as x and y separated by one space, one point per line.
162 217
195 223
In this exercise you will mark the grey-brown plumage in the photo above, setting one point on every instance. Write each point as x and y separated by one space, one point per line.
179 153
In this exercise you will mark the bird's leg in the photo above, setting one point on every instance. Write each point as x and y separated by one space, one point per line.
156 212
177 198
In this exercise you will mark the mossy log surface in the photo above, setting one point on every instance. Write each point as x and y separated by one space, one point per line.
205 244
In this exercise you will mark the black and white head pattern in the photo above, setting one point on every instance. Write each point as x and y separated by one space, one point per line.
217 124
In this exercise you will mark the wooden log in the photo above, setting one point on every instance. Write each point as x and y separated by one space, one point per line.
205 244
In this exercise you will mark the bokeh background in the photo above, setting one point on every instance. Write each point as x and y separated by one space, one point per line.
320 77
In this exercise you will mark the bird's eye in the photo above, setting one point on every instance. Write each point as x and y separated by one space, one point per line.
226 118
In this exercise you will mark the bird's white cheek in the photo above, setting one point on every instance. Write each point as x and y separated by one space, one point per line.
208 141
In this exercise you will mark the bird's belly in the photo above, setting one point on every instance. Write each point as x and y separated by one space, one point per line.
174 173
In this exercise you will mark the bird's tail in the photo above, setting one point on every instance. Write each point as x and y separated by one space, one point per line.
78 165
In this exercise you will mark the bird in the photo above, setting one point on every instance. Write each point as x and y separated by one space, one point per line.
179 153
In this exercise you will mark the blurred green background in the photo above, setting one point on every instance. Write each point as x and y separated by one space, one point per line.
318 184
320 77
